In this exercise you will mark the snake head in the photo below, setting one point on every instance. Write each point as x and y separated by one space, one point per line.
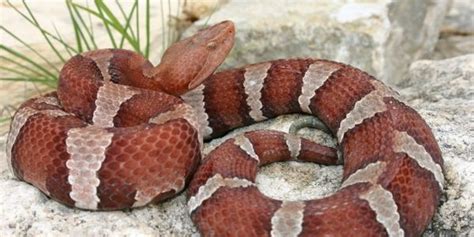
186 63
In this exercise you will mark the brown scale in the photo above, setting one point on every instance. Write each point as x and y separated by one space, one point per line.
407 119
140 150
224 215
367 143
43 137
338 95
341 214
141 107
282 86
79 92
270 146
244 211
415 189
415 192
226 99
142 157
135 157
371 141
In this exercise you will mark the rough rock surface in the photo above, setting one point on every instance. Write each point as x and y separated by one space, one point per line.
441 91
370 36
381 37
457 31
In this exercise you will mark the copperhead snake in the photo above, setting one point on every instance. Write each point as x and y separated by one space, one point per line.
120 133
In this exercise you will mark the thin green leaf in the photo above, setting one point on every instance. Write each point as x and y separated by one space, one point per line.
137 21
127 24
212 13
26 59
22 66
41 29
42 32
106 23
91 27
125 16
147 27
77 30
87 29
43 81
29 47
116 24
60 37
5 119
163 43
15 71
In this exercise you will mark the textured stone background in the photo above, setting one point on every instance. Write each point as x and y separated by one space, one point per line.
411 45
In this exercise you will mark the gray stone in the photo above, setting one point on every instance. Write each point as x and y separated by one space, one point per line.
381 37
442 91
457 31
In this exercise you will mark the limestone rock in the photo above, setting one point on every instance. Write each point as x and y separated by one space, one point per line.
443 92
457 31
381 37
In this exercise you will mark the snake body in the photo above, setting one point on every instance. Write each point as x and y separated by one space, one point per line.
121 133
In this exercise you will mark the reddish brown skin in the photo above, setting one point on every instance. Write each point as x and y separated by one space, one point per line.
415 190
141 153
146 149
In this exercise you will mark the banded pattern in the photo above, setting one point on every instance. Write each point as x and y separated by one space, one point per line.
253 83
288 220
102 59
110 159
86 146
313 79
109 99
294 145
355 107
99 145
195 98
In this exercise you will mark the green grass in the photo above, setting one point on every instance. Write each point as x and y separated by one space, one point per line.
123 31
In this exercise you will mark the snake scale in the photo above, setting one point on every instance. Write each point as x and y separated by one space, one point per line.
121 133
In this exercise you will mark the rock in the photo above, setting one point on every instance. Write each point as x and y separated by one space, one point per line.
442 91
452 44
449 81
460 16
381 37
27 212
457 31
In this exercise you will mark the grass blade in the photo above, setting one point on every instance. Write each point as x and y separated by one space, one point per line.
44 81
15 71
87 29
128 18
42 32
32 70
41 29
30 48
60 37
115 23
147 27
137 21
75 27
26 59
163 44
106 23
